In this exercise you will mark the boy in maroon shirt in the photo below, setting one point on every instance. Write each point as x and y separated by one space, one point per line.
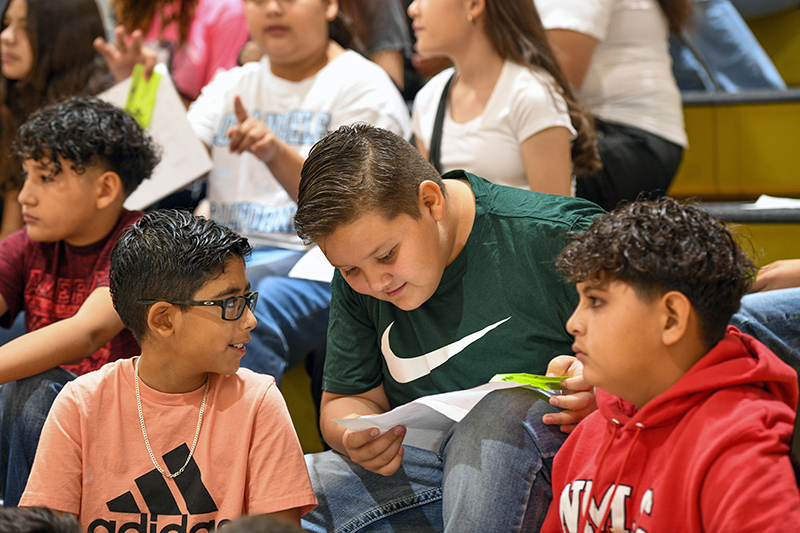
81 158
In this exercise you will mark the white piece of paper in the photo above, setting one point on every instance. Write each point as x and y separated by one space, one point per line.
773 202
313 265
427 419
184 158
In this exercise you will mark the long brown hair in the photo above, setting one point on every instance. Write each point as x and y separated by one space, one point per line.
65 63
516 32
139 14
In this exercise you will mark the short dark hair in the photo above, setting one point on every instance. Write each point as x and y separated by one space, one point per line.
168 255
661 246
37 520
89 132
355 170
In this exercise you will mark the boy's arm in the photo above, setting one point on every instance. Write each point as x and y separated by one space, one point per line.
381 454
63 342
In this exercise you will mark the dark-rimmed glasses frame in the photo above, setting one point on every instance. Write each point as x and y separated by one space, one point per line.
233 307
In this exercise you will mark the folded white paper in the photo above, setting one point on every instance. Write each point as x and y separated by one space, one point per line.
427 419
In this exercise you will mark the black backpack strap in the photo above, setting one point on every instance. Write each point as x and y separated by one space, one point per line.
436 138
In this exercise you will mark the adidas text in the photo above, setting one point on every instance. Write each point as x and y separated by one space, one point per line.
144 526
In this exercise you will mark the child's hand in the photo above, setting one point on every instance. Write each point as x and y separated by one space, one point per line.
125 53
778 275
251 134
381 454
578 403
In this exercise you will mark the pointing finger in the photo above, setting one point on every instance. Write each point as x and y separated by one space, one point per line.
238 107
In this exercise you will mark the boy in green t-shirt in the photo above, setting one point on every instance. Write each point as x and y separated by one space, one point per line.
440 284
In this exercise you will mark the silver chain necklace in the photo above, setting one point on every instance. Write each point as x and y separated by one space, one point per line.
144 431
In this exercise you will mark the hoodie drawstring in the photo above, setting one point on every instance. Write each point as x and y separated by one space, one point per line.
585 514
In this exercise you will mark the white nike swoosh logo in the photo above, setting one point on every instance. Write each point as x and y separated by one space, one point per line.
408 369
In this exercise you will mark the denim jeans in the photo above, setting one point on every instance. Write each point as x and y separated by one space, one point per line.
773 317
292 313
16 329
717 51
24 405
491 473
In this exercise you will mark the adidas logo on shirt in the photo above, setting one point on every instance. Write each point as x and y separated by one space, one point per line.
159 501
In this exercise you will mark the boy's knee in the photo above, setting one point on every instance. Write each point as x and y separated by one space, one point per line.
508 414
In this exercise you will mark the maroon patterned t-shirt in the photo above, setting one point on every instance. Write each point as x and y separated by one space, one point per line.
51 280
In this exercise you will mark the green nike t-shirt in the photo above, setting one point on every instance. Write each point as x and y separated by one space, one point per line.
500 307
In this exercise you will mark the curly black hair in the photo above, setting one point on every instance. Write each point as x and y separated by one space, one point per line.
89 132
661 246
168 255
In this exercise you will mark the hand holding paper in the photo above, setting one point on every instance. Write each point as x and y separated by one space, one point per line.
378 452
576 404
428 419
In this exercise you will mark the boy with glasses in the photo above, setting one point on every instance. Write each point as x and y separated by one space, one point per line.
179 437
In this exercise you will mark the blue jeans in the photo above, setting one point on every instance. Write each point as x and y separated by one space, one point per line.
292 313
492 473
717 51
773 317
24 405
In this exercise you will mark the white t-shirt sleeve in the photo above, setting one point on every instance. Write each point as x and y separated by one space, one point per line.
590 17
205 113
537 106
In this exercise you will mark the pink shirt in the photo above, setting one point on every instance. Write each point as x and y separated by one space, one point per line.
92 460
217 32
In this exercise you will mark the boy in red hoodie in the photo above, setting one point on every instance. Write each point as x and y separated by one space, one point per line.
694 421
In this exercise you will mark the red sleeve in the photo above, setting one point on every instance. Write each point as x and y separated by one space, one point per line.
763 495
12 274
104 261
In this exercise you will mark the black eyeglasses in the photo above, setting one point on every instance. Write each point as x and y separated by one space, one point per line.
232 308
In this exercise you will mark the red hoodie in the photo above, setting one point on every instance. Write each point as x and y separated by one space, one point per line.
709 454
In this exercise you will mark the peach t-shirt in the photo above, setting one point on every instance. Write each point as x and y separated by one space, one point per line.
92 460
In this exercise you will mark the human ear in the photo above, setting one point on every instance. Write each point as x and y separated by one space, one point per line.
431 199
476 8
676 312
331 9
161 319
109 188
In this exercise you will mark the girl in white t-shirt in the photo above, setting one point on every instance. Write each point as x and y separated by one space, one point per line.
615 53
510 114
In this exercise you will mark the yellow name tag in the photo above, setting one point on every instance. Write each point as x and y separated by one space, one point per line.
141 99
532 380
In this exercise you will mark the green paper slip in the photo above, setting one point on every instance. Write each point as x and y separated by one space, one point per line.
141 98
532 380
